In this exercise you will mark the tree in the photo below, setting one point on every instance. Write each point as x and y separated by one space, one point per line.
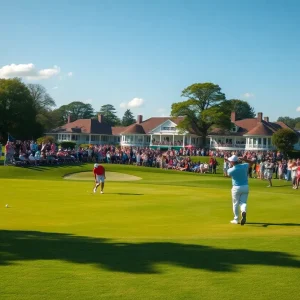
203 109
40 96
242 109
43 103
110 114
17 110
128 118
284 140
77 110
297 126
288 121
80 110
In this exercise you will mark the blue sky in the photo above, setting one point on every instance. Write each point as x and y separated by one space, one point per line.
142 54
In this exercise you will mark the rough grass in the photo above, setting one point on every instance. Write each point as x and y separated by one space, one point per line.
166 236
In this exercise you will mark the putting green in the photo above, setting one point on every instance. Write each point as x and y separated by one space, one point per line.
110 176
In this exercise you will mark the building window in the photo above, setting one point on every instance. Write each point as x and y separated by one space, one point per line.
74 137
87 138
104 138
65 137
233 128
169 128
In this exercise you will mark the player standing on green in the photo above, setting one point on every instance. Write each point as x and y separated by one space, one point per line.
240 188
99 173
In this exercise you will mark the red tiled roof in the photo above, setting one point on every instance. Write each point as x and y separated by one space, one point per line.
134 129
251 127
88 126
152 123
118 130
261 129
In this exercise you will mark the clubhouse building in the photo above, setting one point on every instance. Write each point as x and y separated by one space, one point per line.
162 132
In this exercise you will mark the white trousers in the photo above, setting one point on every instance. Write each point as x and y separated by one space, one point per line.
239 199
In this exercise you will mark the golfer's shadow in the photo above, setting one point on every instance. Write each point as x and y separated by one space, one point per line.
261 224
137 258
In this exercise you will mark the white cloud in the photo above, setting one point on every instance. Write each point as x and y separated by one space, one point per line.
134 103
55 88
28 71
70 74
298 108
248 95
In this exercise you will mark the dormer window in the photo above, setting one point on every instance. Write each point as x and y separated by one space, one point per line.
234 128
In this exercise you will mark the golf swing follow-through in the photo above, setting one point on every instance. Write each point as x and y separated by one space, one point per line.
240 188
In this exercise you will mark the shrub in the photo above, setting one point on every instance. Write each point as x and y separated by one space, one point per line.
84 145
284 140
45 139
67 145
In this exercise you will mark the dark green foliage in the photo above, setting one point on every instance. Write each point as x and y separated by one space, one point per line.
284 140
110 115
67 145
17 111
203 109
242 109
128 118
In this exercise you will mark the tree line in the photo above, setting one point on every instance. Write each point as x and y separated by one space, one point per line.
28 111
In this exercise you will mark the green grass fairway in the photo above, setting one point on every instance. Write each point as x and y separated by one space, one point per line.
166 236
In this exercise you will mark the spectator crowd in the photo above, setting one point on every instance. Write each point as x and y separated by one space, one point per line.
24 153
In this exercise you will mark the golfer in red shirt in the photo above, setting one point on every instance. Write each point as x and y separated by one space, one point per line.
99 173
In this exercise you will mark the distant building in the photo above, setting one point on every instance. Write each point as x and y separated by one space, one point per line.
156 132
162 132
253 134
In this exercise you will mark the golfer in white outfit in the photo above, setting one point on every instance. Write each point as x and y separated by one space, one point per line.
240 188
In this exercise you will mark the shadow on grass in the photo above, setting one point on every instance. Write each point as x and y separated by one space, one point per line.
272 224
139 258
124 194
43 168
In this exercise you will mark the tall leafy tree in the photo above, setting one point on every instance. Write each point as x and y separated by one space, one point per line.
110 114
128 118
80 110
17 110
40 96
284 140
43 103
203 109
242 109
77 110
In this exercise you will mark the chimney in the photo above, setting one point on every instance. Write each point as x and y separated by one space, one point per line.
139 119
69 118
233 116
100 118
259 117
266 119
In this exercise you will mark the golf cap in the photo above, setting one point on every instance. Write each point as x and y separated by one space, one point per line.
96 165
233 158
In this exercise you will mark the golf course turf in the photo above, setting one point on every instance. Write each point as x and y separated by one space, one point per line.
165 236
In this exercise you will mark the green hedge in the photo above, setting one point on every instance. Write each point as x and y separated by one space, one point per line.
67 145
293 154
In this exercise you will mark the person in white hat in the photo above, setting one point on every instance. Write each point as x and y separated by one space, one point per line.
238 171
